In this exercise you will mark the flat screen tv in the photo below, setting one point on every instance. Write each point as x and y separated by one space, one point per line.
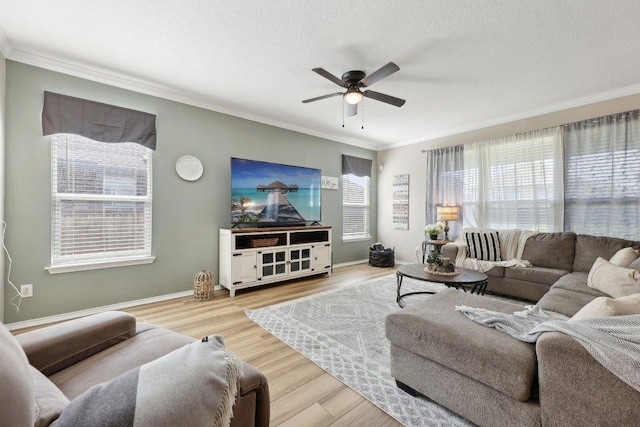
272 194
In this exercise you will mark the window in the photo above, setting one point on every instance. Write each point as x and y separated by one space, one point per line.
101 203
355 207
515 182
602 175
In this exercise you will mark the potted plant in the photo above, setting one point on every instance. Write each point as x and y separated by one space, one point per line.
433 230
434 260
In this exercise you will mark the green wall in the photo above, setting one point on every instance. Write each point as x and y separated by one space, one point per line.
186 215
2 114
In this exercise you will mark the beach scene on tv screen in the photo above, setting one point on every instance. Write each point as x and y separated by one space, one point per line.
264 192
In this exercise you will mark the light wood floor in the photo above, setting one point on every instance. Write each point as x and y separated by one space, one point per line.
302 394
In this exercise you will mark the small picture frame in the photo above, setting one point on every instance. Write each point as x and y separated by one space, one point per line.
400 203
329 182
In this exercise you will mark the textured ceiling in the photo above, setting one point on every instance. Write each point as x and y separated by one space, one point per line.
463 64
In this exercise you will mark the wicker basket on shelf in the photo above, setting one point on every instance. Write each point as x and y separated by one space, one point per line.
261 243
203 285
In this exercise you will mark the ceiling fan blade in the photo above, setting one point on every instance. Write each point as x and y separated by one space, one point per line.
322 97
352 109
376 76
327 75
384 98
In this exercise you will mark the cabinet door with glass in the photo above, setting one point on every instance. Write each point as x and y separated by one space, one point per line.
272 264
300 261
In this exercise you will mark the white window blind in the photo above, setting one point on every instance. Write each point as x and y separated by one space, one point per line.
101 200
602 195
355 207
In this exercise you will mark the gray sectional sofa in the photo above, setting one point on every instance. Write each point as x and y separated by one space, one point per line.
493 379
553 256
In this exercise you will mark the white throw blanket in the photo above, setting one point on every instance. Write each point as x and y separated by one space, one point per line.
511 248
613 341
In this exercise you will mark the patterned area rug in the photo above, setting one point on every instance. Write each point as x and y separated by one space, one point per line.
342 331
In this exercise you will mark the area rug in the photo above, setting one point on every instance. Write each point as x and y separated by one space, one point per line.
342 331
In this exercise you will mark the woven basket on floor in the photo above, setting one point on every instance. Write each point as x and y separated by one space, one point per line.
203 285
382 258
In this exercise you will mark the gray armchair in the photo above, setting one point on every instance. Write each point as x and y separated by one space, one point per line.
43 371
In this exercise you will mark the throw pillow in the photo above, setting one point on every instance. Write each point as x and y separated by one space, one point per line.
635 265
624 257
483 246
194 385
613 280
605 307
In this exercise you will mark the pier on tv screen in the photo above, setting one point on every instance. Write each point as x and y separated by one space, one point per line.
266 192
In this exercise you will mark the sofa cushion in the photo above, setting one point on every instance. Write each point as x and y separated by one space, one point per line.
496 271
635 264
589 248
435 330
551 250
605 307
613 280
483 246
577 282
50 401
564 301
194 385
17 397
624 257
547 276
520 289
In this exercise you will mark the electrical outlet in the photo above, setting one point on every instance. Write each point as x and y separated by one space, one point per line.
26 291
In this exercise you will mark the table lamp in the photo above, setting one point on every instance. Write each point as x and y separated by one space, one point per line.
446 214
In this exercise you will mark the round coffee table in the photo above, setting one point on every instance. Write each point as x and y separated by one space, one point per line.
468 280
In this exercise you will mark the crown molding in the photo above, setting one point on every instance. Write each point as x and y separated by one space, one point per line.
5 46
161 91
554 108
151 88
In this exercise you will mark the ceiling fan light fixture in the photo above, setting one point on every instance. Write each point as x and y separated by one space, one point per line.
353 96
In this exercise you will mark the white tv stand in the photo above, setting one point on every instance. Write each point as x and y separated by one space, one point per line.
256 256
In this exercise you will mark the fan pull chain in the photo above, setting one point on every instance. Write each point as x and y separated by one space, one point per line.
342 113
362 114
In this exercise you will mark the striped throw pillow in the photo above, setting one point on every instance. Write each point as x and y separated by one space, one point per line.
483 246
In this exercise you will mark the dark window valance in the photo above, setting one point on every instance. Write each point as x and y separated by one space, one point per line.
97 121
356 166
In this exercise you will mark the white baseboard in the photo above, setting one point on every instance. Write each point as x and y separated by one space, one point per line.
366 261
81 313
345 264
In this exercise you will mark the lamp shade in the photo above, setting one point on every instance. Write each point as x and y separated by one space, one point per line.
447 213
353 96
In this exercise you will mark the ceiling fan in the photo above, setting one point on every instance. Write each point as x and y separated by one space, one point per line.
353 81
